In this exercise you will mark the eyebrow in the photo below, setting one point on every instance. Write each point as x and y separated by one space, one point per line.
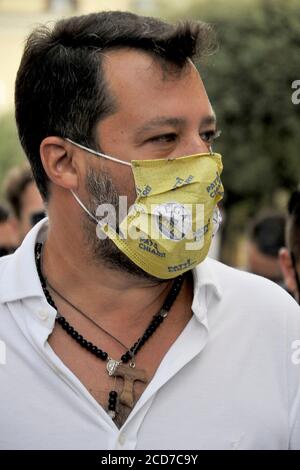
176 122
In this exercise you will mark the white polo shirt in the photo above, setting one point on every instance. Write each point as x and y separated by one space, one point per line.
231 380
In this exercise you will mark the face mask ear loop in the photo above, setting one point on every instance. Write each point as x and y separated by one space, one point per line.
84 208
98 154
210 150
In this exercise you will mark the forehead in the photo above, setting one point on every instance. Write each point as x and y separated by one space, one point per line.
143 90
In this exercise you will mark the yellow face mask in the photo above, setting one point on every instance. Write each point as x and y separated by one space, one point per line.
169 228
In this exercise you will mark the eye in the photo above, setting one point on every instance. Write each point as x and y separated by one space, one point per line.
210 136
163 138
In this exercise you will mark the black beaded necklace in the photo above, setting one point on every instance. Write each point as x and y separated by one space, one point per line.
114 368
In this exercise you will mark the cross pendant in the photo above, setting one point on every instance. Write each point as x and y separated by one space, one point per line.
130 376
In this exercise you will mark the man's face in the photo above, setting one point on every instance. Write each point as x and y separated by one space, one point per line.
159 115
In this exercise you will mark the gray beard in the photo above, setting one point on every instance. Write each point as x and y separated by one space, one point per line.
102 190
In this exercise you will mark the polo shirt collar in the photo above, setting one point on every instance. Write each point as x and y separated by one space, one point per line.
20 279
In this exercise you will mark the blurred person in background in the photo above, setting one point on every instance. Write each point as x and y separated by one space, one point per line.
289 257
25 201
266 237
8 232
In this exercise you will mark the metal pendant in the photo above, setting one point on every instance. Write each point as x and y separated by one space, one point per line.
112 365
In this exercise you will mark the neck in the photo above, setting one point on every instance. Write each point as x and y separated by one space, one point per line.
114 295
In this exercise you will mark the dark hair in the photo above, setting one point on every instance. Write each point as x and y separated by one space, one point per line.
267 233
4 214
293 225
15 184
60 86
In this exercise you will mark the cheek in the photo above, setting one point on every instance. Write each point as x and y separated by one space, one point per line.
125 185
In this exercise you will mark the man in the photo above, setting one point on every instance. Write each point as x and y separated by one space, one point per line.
289 257
266 238
104 105
24 199
8 232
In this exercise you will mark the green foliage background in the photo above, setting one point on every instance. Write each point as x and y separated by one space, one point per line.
11 152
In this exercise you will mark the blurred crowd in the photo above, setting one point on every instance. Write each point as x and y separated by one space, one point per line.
272 249
273 246
21 209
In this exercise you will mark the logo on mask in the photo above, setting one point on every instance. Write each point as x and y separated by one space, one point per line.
173 220
151 247
182 182
213 188
201 232
179 267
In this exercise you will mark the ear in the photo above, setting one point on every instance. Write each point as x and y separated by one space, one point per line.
59 162
286 265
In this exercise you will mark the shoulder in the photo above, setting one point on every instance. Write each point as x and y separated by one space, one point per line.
254 296
240 283
267 320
